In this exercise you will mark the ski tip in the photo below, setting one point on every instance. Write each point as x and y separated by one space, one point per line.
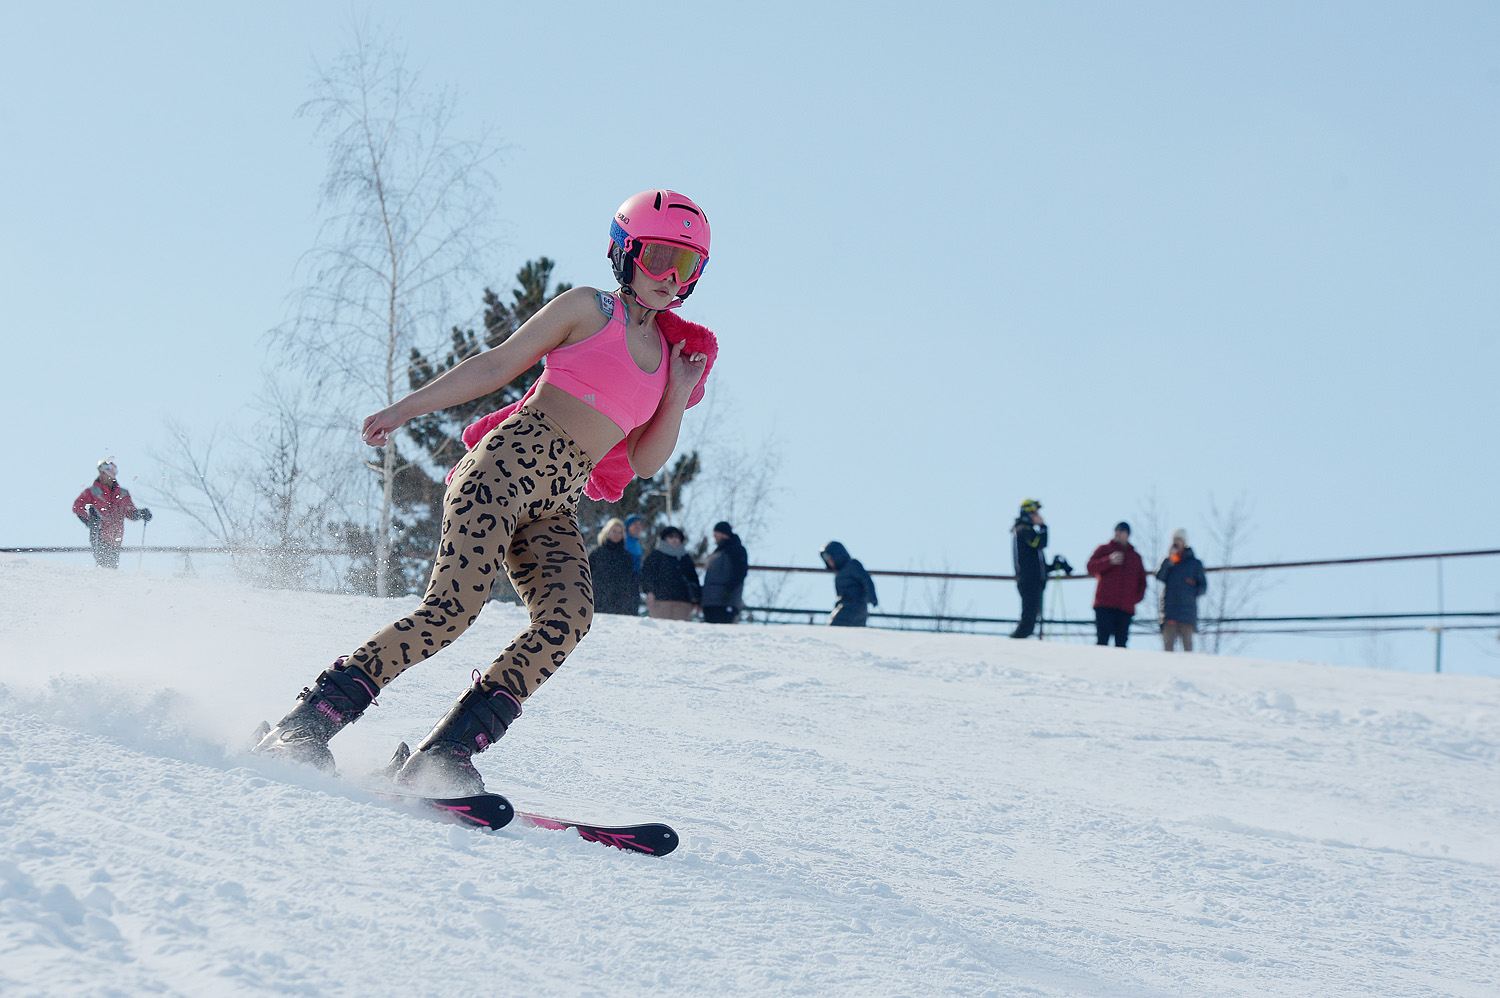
484 811
653 838
661 838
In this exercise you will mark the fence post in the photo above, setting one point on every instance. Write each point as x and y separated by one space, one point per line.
1439 666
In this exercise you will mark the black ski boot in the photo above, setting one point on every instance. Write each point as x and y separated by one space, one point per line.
336 698
442 765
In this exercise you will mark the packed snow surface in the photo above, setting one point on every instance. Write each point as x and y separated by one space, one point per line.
862 813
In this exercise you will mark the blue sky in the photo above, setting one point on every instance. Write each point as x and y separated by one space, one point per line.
963 254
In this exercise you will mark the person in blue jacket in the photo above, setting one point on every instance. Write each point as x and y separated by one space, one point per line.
1183 584
851 584
635 526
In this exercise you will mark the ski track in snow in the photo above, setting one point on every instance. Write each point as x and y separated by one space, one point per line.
862 813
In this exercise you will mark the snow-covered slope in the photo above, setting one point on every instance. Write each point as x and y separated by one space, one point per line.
863 813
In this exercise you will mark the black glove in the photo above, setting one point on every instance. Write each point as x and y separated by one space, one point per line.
146 515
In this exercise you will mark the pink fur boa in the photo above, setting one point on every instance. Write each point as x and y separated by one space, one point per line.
611 475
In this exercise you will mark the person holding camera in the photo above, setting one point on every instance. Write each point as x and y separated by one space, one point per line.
104 507
1122 584
1028 542
1183 584
852 587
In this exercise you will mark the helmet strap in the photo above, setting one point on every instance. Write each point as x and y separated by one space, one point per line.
627 294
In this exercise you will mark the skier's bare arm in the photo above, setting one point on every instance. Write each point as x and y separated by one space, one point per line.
568 318
650 446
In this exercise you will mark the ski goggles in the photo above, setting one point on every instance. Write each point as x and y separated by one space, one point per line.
658 260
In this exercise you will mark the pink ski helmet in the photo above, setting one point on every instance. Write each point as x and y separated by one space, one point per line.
658 217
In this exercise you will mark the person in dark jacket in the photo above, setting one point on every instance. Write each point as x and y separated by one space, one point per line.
614 577
724 576
104 507
1028 542
1122 583
852 585
1183 584
670 579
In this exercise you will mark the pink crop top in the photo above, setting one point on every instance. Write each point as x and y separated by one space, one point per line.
601 372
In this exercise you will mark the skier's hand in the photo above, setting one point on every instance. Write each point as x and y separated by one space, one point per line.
685 371
93 513
1117 557
379 427
146 515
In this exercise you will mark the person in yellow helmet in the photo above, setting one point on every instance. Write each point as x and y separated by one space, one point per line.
1028 542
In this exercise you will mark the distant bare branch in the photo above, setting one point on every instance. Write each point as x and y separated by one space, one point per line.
1233 594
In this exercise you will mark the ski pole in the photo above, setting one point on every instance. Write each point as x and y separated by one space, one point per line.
142 559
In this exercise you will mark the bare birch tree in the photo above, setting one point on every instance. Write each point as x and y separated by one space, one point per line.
406 207
1230 594
266 498
940 598
1150 527
191 486
732 481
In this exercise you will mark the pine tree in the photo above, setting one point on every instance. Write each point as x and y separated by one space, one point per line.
419 486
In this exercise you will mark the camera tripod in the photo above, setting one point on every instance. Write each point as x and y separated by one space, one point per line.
1058 569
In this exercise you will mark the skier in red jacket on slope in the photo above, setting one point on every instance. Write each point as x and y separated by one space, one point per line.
104 507
1122 584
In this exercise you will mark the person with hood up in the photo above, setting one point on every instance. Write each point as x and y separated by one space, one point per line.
852 585
1122 583
104 507
724 576
614 580
1183 584
1028 552
670 579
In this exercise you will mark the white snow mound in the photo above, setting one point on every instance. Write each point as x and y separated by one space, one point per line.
862 813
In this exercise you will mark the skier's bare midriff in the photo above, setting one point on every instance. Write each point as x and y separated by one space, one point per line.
590 430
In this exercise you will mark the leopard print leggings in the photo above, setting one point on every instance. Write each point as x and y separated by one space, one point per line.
512 504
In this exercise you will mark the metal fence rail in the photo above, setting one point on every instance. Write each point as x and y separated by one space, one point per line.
965 576
1315 623
813 613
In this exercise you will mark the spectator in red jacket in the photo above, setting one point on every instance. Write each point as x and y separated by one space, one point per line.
104 507
1122 584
